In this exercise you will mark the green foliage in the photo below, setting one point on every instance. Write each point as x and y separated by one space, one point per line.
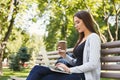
15 40
17 37
15 65
72 39
4 10
23 55
18 60
61 19
59 28
61 24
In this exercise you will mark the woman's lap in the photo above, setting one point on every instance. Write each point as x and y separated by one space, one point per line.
44 73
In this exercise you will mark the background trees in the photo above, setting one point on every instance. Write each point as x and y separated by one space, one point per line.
5 9
61 24
12 38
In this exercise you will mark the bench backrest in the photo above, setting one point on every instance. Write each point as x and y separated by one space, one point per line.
110 59
49 58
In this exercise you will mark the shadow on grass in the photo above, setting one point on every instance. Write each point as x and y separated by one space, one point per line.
4 77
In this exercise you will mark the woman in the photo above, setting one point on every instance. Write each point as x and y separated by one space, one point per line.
86 66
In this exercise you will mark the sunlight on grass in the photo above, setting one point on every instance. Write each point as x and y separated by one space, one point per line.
108 79
7 73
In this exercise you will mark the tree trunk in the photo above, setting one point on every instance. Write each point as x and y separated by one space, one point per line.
109 32
116 26
2 47
10 27
103 38
116 19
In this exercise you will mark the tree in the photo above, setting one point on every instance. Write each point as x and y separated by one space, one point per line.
23 55
15 63
18 60
8 11
13 11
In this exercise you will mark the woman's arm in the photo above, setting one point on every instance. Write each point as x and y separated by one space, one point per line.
70 60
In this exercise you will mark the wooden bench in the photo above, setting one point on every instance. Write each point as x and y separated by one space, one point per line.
110 59
49 58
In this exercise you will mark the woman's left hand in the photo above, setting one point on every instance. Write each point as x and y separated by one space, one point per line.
67 69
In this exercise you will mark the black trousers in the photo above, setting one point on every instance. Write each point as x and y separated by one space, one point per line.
44 73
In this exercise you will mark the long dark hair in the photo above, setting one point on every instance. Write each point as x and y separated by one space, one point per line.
88 21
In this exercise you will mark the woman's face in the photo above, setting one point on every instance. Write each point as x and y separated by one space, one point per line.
79 24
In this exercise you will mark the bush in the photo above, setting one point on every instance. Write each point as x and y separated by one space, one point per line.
18 60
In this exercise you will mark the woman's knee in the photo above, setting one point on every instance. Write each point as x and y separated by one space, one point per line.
38 67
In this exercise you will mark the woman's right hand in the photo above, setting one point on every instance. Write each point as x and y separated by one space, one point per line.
61 52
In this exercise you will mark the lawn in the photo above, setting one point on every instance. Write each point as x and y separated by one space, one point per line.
7 73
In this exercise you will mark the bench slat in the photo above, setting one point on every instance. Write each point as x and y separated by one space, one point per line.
110 67
39 58
53 61
110 75
70 50
53 56
55 52
111 51
111 59
39 62
111 44
52 53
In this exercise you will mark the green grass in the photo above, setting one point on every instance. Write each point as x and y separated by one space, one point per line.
7 73
108 79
